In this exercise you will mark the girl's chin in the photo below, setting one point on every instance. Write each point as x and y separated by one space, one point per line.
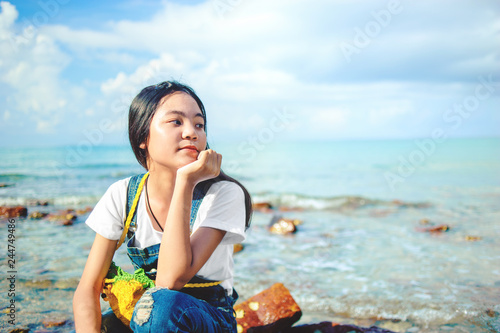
186 161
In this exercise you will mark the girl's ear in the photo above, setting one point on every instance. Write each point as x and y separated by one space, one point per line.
142 146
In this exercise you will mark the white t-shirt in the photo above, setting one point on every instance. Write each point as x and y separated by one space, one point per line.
223 208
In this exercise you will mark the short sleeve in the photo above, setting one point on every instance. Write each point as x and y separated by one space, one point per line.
107 217
223 208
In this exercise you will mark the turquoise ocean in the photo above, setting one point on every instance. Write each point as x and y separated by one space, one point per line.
361 255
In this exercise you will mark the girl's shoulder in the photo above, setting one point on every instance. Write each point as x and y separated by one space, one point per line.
223 187
119 185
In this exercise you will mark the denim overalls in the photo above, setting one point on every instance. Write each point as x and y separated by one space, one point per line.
206 309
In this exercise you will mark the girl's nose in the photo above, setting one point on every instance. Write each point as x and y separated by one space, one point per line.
189 132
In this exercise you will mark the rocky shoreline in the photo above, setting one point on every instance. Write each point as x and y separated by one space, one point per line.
272 310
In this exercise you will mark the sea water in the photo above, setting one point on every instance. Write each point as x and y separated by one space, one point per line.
361 255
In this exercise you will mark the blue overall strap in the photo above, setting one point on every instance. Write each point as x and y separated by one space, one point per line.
198 195
133 185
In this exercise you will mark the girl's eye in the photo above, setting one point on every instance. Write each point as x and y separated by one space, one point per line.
176 122
200 126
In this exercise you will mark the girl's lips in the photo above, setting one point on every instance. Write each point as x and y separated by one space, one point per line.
192 148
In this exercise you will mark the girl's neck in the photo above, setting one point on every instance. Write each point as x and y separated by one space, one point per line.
161 185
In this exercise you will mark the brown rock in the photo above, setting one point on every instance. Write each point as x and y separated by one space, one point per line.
435 229
271 310
64 216
439 228
37 215
18 211
282 226
491 313
83 211
5 185
291 209
237 248
264 207
20 330
67 223
54 322
472 238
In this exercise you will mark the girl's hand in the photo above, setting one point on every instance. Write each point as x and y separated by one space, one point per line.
207 166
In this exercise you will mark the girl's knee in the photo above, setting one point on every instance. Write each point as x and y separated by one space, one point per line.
160 304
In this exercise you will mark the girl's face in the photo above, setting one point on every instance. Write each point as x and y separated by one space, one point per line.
176 133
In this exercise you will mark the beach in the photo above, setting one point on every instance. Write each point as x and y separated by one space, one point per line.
400 234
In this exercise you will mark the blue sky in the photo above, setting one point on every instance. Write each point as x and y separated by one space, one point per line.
280 70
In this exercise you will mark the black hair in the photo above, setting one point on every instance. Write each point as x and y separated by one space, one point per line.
141 112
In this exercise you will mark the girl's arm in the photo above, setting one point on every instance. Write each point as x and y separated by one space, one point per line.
86 304
182 256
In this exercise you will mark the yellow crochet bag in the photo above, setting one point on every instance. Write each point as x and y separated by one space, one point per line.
122 290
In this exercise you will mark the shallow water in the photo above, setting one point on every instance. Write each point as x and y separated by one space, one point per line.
359 257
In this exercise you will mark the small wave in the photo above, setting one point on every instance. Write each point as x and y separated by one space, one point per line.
57 201
338 203
106 165
12 176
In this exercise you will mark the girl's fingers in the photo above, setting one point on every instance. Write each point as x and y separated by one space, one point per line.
211 160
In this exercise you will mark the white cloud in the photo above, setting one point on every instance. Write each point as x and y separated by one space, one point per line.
257 57
31 68
328 119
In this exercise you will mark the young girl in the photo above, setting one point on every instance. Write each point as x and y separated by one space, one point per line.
167 132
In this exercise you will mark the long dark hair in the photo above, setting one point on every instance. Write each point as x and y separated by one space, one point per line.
141 112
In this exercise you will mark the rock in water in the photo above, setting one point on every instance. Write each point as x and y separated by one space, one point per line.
264 207
271 310
282 226
20 330
18 211
237 248
37 215
54 322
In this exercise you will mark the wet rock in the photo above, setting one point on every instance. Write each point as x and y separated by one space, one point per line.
63 216
83 211
5 185
35 202
472 238
17 211
37 215
291 209
435 229
54 322
264 207
439 228
20 330
237 248
424 221
67 223
282 226
491 313
271 310
38 284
